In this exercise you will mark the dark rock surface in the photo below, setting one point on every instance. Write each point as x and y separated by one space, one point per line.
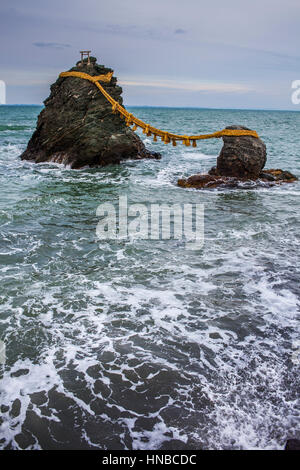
77 126
214 180
241 156
292 444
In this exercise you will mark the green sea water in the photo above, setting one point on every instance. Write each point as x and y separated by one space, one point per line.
143 344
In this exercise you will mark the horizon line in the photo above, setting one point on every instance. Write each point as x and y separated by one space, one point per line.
176 107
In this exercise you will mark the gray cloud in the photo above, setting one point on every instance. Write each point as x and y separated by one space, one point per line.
51 45
227 42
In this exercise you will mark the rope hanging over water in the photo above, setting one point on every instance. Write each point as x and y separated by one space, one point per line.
149 130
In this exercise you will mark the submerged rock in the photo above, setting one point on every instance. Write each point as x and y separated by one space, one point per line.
77 126
241 156
211 180
279 176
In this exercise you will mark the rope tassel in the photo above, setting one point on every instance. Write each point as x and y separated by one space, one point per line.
166 138
147 130
186 141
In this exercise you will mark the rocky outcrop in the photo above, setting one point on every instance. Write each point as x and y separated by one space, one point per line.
239 165
241 156
77 126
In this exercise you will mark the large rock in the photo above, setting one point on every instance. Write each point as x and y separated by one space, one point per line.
77 126
241 156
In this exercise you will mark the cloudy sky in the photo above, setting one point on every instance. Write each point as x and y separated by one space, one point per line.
215 53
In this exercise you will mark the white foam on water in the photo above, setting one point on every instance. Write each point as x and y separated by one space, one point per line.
163 313
149 440
136 344
196 155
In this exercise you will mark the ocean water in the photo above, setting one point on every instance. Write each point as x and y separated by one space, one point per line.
143 344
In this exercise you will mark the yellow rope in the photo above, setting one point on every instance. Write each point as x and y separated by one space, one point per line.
104 78
149 130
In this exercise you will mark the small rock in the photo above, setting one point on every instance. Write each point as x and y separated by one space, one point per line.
201 181
239 165
277 175
241 156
